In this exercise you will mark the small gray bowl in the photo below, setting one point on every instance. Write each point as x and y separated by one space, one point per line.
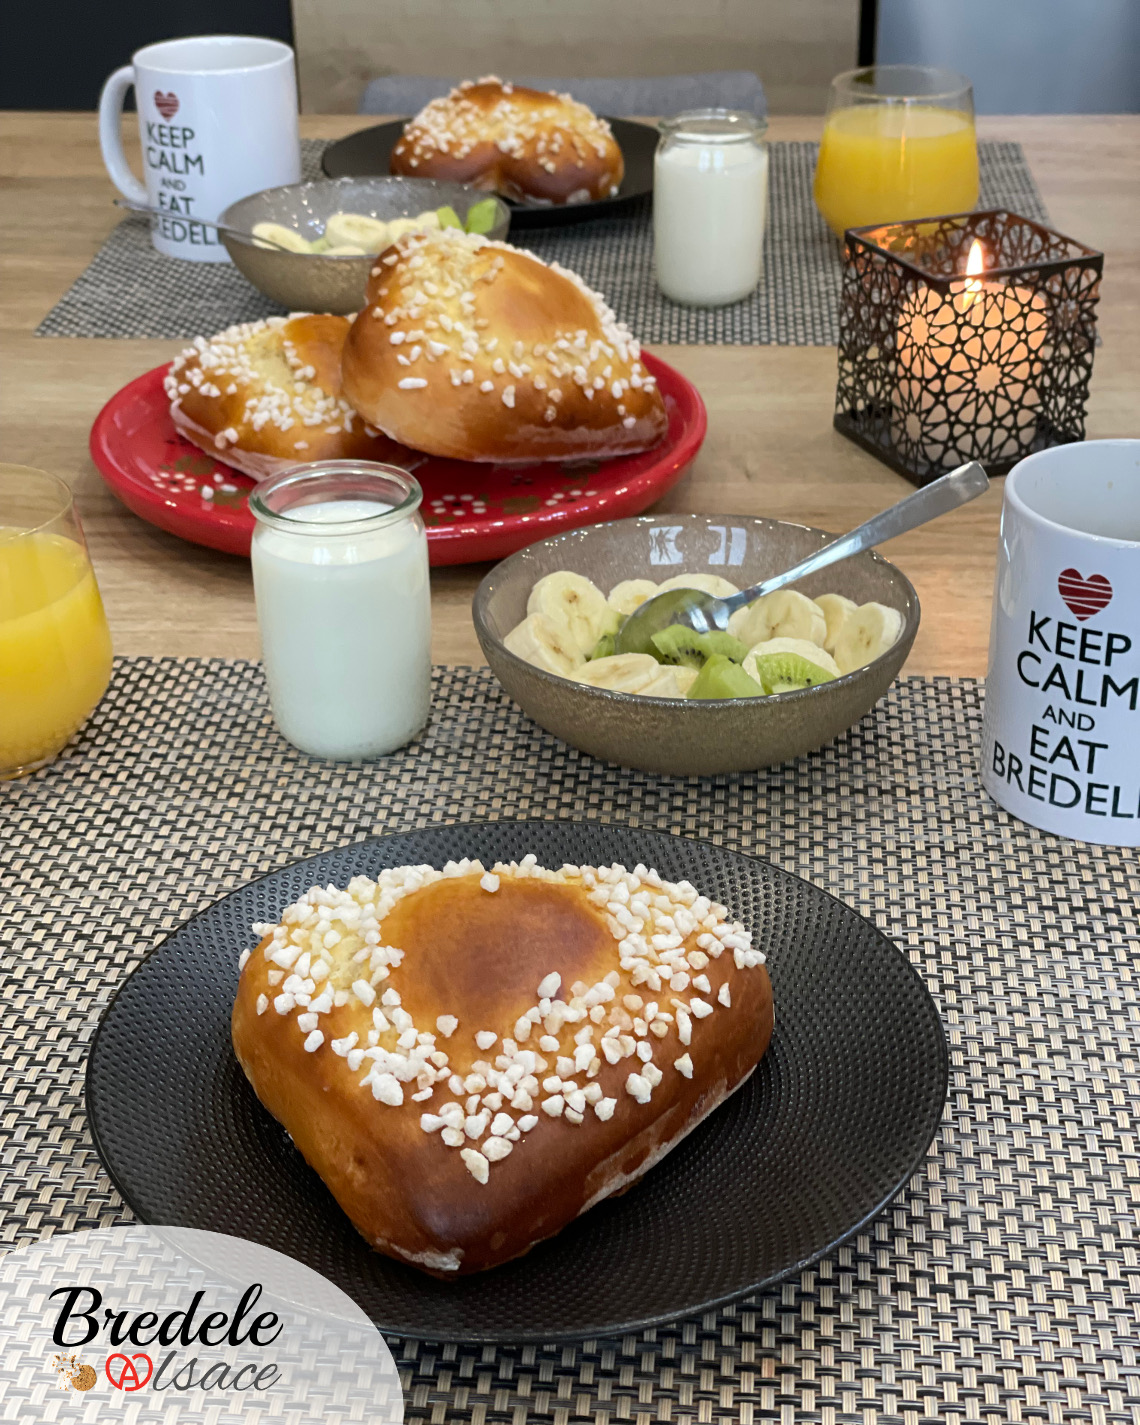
677 736
311 282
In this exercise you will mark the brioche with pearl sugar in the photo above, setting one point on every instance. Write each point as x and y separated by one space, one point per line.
474 350
471 1058
267 395
537 147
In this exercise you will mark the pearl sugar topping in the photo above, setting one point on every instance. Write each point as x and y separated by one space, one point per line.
563 131
223 364
430 306
491 1086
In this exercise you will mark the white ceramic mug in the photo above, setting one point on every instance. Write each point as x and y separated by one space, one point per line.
217 121
1061 733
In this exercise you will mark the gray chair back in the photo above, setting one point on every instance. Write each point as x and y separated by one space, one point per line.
652 95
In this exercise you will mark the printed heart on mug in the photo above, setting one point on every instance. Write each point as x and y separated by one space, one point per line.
1084 597
166 104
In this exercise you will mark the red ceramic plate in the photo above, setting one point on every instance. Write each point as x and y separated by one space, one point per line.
472 512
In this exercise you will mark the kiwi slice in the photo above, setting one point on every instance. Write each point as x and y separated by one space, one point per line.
722 678
690 649
788 672
448 217
602 649
481 216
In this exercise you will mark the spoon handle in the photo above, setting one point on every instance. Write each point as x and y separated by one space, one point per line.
946 493
203 222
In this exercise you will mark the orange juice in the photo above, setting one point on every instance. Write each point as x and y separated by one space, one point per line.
887 163
55 650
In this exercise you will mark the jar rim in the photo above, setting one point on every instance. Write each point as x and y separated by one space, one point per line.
363 472
714 125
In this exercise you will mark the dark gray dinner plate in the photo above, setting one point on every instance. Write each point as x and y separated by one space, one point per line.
366 153
832 1124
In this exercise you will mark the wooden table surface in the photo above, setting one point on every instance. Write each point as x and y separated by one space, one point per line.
771 449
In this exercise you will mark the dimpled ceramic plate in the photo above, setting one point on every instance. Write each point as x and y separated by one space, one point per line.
833 1123
472 511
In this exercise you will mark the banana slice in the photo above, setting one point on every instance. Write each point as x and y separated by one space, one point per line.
399 226
280 236
667 684
355 230
738 622
784 614
626 673
545 644
836 610
803 647
684 678
630 594
706 583
575 606
345 249
428 219
865 634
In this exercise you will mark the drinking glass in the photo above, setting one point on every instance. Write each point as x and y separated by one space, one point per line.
55 648
898 143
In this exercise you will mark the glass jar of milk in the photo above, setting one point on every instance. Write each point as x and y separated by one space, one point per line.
340 574
710 205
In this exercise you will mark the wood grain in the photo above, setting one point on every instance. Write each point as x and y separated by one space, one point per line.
770 450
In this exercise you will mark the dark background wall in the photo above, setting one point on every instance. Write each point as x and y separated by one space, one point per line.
57 55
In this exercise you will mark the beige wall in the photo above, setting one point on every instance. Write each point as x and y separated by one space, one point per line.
794 45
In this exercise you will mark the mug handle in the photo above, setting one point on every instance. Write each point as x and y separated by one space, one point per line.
111 135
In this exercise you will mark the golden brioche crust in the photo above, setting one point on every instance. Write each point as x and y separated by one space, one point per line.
471 1059
475 350
267 395
536 147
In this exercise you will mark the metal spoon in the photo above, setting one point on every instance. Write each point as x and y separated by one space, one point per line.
218 227
704 612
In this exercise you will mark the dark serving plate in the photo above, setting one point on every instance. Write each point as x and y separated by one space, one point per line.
367 152
833 1123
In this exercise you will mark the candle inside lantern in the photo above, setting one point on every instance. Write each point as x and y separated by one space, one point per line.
969 365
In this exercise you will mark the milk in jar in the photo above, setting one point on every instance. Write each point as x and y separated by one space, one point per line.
710 206
340 576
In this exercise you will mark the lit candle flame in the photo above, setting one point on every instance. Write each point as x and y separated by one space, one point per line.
975 264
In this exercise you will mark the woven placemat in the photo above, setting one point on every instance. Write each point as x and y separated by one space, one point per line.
129 290
1002 1285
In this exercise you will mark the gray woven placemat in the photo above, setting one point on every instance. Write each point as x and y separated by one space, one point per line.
129 290
1004 1282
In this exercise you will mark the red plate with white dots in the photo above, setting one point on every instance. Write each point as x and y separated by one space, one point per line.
472 512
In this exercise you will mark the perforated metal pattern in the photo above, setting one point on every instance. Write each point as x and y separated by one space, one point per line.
935 370
1004 1284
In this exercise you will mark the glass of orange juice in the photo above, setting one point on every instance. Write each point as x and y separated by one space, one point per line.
55 650
898 143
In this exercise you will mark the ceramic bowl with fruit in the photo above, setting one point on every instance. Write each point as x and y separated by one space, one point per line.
792 672
313 244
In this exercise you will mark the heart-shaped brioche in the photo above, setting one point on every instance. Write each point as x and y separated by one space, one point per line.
538 147
266 395
470 1059
475 350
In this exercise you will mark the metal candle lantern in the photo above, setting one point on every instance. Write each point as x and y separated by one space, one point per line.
968 337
